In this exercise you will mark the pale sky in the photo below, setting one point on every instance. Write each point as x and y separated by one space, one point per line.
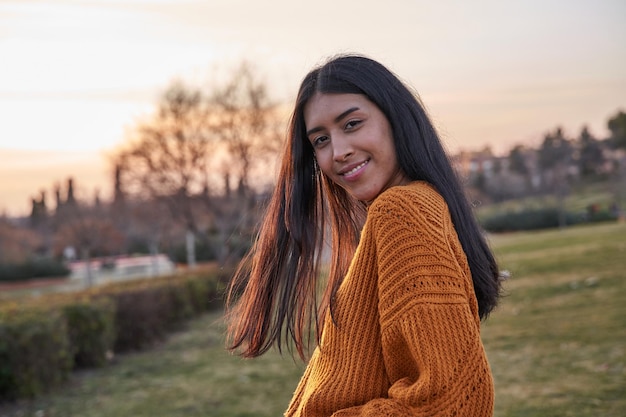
76 75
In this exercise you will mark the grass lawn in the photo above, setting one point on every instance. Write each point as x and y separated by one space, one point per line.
190 375
557 347
557 344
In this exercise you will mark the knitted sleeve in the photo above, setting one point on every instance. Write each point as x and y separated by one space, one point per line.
433 355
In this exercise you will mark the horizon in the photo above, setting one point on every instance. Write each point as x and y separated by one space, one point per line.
495 74
98 180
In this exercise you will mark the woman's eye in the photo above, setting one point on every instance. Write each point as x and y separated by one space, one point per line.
320 140
352 124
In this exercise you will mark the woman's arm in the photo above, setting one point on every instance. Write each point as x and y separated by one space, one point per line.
433 354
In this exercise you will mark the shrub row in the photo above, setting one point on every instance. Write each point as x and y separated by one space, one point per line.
91 330
42 340
539 218
33 268
34 353
145 315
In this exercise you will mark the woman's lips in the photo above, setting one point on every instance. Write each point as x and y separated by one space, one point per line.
351 172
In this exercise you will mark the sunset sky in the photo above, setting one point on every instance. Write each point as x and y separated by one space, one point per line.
76 75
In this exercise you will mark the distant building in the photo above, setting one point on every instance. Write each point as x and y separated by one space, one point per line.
121 268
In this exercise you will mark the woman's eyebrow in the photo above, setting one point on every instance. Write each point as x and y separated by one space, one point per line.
337 119
345 113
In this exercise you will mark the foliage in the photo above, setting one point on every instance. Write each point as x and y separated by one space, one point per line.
41 339
204 295
188 375
91 329
148 311
517 160
529 219
591 158
145 315
33 268
617 126
34 352
555 149
542 218
588 202
140 318
17 244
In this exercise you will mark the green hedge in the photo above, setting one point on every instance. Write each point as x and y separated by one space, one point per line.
141 318
529 219
43 339
146 314
91 330
205 294
33 268
34 352
539 218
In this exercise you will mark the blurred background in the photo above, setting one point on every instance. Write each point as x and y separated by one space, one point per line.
77 77
140 137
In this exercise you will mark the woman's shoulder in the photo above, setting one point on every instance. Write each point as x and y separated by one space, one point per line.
417 196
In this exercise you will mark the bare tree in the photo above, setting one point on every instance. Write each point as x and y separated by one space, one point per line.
181 152
170 157
249 130
247 125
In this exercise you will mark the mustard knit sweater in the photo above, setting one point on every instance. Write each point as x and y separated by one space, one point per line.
407 336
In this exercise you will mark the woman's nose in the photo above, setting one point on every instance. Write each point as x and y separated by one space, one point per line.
342 149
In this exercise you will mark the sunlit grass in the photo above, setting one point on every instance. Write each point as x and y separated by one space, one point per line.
556 344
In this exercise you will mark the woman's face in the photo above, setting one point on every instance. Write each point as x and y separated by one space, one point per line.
353 143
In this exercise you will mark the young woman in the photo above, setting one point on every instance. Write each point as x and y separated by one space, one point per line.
409 276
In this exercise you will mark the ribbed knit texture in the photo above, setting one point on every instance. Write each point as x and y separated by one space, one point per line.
407 336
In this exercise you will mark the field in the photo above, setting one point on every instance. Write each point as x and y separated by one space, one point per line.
556 344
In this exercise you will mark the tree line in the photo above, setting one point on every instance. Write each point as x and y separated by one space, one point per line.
553 167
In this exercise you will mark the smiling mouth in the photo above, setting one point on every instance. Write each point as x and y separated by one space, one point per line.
356 168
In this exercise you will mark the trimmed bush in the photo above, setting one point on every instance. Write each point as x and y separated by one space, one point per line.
141 318
33 268
601 216
42 339
180 305
529 219
91 329
34 353
205 294
148 310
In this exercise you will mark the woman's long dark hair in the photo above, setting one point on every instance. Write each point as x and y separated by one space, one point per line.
273 296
